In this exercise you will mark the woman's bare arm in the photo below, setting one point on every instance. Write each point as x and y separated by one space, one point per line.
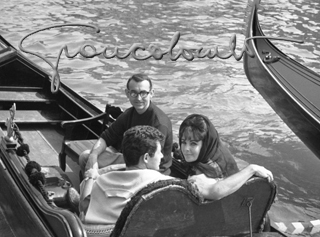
216 189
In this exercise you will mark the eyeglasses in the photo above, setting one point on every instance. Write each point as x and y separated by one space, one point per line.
135 94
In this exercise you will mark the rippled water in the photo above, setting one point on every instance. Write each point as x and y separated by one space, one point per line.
214 87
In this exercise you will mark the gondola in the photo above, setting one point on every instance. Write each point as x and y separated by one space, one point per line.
291 89
42 134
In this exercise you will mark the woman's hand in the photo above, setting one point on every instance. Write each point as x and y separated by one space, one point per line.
262 172
92 173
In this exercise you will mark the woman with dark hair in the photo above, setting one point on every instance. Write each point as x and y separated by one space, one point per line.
214 160
212 166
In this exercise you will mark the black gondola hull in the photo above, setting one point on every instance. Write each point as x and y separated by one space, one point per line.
291 89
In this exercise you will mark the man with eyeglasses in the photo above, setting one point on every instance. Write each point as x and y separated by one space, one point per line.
139 91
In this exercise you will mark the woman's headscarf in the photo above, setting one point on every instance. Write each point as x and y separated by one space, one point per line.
214 160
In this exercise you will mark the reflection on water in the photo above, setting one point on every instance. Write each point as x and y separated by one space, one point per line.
216 88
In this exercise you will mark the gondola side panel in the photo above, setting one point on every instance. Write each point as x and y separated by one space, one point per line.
17 218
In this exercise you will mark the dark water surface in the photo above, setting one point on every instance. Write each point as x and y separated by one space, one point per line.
214 87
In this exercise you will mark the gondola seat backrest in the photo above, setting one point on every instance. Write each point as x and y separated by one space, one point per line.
174 208
76 138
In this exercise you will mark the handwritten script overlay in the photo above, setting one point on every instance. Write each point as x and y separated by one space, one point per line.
152 51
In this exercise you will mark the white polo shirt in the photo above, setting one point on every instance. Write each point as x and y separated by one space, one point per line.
111 192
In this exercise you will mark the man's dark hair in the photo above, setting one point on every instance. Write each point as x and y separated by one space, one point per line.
138 141
139 78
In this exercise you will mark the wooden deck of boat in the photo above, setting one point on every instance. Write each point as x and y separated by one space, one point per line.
31 95
40 149
33 105
45 144
39 115
33 116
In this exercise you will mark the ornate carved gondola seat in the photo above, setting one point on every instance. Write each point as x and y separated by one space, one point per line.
174 208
